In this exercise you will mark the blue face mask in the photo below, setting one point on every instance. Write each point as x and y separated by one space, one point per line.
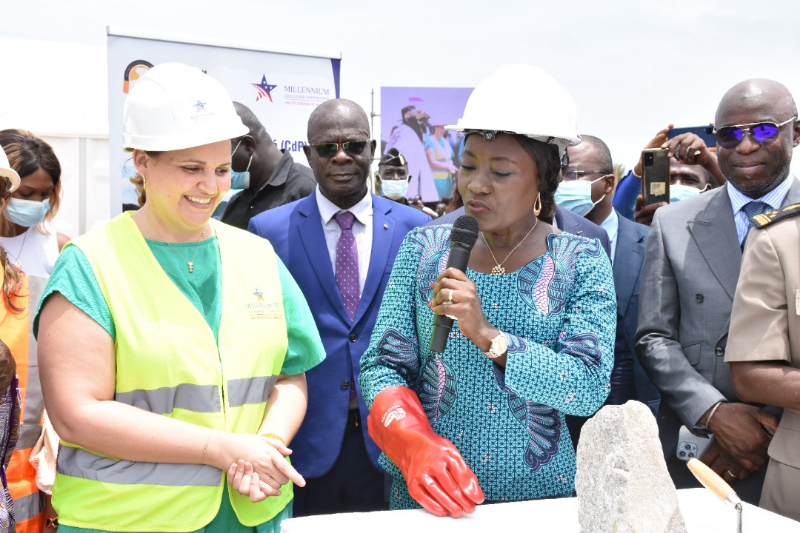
240 180
681 192
26 213
576 196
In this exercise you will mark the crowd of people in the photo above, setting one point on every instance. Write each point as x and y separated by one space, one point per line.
169 371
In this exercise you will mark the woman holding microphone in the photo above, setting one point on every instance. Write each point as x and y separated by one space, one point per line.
535 317
172 347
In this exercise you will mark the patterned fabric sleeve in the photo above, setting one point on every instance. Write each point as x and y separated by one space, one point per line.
393 354
571 374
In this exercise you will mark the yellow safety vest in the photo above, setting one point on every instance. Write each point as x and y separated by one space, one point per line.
168 362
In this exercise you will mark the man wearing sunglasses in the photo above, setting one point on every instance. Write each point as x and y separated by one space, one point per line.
268 178
339 244
689 279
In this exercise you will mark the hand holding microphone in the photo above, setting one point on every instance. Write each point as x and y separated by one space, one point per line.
455 296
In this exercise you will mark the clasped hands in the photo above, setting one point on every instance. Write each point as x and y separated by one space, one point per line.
262 469
740 440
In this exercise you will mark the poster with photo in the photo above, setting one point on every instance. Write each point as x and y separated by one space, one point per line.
412 121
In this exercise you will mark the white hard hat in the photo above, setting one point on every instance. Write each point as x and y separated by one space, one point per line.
7 172
175 106
524 100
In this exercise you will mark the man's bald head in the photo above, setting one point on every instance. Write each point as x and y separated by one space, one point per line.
250 120
756 168
343 169
336 114
757 92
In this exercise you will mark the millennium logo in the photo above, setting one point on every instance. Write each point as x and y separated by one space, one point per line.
264 89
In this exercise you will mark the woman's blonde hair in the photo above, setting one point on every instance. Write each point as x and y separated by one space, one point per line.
27 153
139 181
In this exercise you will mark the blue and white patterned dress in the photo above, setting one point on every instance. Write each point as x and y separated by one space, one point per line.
559 313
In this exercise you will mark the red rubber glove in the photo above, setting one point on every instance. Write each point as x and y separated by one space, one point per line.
436 474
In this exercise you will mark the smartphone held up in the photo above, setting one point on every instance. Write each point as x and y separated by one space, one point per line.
655 175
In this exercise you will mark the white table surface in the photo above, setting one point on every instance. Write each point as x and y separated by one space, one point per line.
702 512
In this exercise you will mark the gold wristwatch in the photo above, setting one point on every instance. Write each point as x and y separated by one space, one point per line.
499 346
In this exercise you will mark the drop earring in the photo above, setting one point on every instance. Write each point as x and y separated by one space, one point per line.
537 210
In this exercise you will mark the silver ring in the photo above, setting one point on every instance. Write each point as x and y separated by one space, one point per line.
451 317
450 296
731 473
696 153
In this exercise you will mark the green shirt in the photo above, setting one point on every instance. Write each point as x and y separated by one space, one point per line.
73 277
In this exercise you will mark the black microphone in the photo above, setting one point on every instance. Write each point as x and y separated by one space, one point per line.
462 239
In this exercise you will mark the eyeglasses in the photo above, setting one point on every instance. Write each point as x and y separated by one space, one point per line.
571 174
761 132
349 147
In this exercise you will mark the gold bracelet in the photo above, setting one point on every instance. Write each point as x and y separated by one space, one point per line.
273 436
205 446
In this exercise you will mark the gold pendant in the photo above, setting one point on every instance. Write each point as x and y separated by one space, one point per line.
191 266
498 270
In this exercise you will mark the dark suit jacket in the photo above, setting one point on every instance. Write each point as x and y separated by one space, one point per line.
628 258
565 220
295 231
690 272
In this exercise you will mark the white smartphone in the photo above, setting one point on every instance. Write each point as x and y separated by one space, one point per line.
691 446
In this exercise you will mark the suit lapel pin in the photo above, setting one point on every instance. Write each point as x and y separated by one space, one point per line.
386 226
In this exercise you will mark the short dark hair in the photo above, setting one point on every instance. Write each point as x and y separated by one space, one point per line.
603 153
549 164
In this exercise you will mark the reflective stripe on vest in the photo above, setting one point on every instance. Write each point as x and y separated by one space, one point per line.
29 506
78 462
170 364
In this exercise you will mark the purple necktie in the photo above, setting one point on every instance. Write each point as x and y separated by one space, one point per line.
347 263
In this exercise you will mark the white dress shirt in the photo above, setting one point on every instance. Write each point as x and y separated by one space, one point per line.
611 225
362 231
774 199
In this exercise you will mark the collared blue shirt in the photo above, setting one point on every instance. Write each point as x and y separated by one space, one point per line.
611 225
774 199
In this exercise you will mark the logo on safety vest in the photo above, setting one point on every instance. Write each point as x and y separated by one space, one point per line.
259 308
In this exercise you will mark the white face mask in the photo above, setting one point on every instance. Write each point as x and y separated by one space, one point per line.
394 189
576 196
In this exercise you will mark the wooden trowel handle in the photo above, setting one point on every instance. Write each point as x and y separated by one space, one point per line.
710 479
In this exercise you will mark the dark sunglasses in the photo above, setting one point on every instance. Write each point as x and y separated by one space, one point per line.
349 147
760 132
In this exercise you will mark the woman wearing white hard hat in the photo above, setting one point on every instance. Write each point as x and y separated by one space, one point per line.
172 347
26 229
535 315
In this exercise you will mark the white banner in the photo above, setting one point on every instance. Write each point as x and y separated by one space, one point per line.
282 88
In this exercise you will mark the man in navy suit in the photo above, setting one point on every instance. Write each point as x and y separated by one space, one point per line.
591 161
339 244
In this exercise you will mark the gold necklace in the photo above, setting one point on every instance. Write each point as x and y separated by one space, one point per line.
18 262
189 262
498 270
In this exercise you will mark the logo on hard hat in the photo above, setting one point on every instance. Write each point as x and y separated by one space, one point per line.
264 89
134 71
